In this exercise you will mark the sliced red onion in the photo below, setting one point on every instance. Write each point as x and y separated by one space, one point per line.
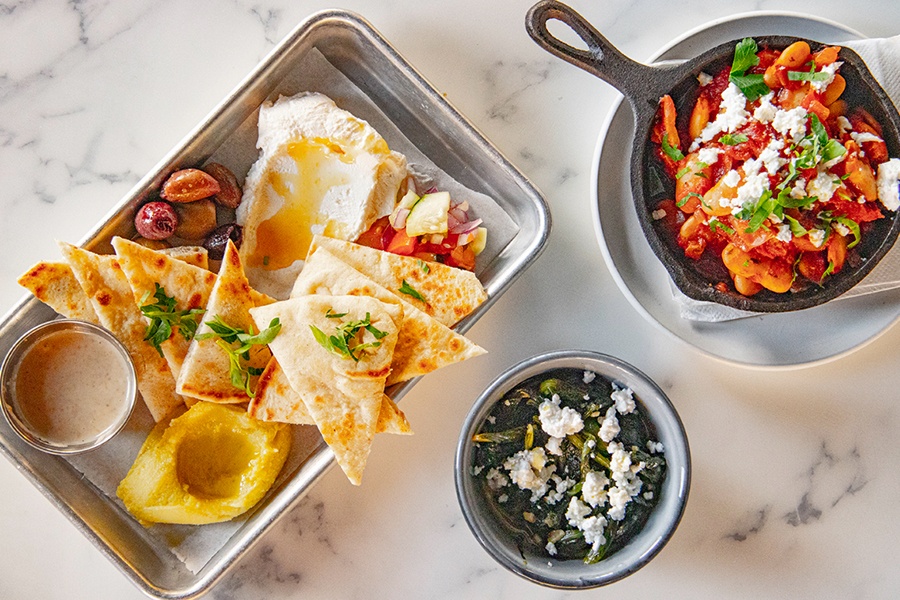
398 218
466 227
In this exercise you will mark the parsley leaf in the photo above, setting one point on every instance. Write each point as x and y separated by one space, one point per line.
239 372
733 139
411 291
670 151
346 342
423 265
807 76
752 86
164 319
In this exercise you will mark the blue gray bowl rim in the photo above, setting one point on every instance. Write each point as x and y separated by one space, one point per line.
574 574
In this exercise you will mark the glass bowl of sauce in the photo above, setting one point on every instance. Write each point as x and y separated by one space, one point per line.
67 386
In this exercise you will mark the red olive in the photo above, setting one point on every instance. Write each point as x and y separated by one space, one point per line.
156 220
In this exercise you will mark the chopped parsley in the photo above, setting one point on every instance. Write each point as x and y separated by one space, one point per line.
733 139
345 342
164 319
237 357
423 265
670 151
752 86
411 291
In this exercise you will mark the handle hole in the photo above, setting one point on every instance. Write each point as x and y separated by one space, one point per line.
565 34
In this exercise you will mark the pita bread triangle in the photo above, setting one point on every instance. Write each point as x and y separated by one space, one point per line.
424 344
205 372
449 293
342 395
188 284
102 280
276 400
54 284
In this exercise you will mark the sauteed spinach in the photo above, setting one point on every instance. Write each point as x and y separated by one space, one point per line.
570 465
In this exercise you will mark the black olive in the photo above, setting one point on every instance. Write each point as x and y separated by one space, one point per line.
217 241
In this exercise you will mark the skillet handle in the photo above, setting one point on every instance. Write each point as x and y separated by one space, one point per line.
602 59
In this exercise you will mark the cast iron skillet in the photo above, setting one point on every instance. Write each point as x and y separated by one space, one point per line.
643 86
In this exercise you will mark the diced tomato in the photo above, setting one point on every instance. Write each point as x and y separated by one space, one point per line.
461 257
812 266
812 104
861 213
402 243
374 236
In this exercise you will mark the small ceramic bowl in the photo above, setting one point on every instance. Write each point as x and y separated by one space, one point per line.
87 419
575 574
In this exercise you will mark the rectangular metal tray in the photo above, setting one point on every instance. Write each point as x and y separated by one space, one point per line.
353 47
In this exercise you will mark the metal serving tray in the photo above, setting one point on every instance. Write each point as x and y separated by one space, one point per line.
359 52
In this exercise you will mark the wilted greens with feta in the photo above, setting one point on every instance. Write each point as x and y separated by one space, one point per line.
569 464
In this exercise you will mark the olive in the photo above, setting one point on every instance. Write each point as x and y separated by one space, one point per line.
156 220
196 220
217 241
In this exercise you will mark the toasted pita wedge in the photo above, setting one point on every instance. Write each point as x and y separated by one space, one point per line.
450 294
205 373
188 284
276 400
54 284
104 283
424 344
343 395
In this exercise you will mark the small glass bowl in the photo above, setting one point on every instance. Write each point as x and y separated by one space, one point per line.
12 404
575 574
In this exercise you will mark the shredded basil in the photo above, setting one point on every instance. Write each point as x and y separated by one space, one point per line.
411 291
670 151
733 139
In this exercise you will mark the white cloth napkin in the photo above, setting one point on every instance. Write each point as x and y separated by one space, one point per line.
882 56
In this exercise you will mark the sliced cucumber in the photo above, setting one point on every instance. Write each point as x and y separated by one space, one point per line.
429 215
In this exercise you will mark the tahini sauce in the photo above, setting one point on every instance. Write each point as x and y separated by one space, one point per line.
71 387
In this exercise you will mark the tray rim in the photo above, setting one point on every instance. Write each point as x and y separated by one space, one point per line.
320 461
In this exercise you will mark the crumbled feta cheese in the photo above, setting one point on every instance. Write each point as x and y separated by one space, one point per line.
576 512
594 488
648 495
496 479
658 214
709 156
618 499
553 446
829 70
865 136
620 461
559 422
609 428
529 470
551 549
799 189
771 156
731 179
823 186
502 498
765 112
704 78
791 123
562 486
817 237
840 228
784 233
732 114
755 183
588 376
655 447
594 529
888 190
624 401
491 419
843 124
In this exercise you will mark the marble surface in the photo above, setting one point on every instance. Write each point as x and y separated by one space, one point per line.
795 489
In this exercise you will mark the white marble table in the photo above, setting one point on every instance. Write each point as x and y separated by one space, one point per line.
795 490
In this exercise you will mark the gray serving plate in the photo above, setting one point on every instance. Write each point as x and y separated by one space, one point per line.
355 49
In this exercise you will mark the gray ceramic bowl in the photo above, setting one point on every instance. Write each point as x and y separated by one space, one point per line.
574 574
